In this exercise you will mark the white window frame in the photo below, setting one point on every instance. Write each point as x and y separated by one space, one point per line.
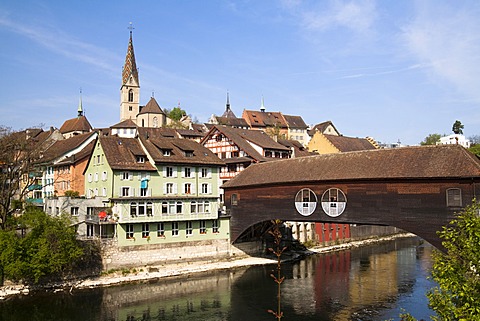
203 227
74 210
129 231
175 231
188 228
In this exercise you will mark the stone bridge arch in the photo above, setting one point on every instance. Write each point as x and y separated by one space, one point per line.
417 189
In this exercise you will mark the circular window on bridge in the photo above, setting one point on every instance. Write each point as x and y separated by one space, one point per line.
333 202
306 202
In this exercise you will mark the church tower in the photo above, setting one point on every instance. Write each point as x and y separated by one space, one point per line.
130 90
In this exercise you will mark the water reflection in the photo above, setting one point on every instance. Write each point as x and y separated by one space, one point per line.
370 283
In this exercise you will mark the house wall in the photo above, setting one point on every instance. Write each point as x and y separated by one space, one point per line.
98 175
320 144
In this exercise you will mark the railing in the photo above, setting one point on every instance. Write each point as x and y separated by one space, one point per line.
164 217
35 200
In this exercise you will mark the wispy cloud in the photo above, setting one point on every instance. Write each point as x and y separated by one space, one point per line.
447 38
356 16
62 44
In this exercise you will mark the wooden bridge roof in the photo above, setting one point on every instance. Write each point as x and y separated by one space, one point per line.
421 162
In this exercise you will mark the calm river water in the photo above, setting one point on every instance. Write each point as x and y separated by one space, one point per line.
369 283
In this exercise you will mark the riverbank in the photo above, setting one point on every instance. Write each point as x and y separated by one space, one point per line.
152 273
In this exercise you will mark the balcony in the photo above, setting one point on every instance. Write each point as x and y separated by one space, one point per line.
35 201
35 187
165 217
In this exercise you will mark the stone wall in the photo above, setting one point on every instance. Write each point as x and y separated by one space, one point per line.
115 257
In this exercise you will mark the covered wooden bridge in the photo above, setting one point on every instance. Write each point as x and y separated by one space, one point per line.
417 189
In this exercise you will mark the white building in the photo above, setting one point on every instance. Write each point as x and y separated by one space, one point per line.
454 139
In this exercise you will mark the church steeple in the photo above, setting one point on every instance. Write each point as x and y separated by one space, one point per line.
130 90
80 107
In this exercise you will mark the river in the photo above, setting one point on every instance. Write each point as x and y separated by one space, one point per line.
369 283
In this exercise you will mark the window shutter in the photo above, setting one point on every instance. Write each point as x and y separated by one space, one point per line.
174 171
175 189
209 173
149 192
164 188
192 189
164 171
130 176
139 175
209 188
132 191
183 171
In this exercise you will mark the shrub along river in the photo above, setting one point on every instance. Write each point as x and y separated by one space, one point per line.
373 282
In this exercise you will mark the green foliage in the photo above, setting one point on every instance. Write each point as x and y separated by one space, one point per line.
457 271
475 149
176 113
457 127
49 248
72 194
431 139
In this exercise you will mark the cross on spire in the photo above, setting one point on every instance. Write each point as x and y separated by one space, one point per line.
130 27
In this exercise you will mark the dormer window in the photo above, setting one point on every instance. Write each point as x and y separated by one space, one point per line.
189 153
166 152
140 159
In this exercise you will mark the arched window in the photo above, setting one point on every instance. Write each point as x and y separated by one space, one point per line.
133 209
155 121
454 197
130 95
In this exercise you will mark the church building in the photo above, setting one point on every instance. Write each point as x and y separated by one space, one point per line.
150 115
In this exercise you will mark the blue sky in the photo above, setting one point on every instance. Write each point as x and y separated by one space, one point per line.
392 70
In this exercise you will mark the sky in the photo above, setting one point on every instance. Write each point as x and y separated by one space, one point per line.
391 70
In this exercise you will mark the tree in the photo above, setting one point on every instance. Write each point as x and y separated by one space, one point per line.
50 248
457 127
176 113
457 269
431 139
474 139
18 152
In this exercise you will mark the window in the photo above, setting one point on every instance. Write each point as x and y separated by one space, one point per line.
187 188
168 171
90 230
126 176
169 188
179 207
125 191
145 230
129 231
130 108
90 178
141 209
166 152
133 209
98 159
215 226
104 176
189 153
149 209
104 191
232 168
205 188
164 207
203 227
74 211
189 229
96 177
199 207
206 173
161 229
144 192
89 213
174 228
187 172
454 197
130 95
140 159
234 199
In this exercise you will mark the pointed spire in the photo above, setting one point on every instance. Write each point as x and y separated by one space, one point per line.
228 102
262 107
130 67
80 107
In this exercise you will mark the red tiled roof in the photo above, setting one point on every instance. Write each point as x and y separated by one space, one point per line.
79 123
423 162
62 147
152 107
121 153
350 144
178 147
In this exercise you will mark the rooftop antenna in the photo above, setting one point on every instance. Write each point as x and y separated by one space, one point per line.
153 93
